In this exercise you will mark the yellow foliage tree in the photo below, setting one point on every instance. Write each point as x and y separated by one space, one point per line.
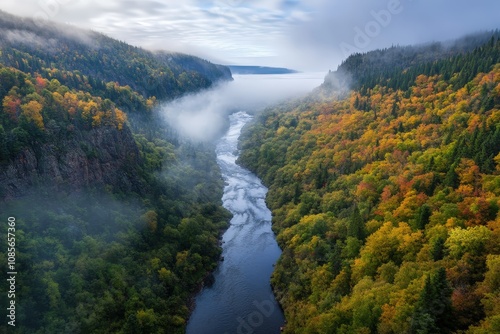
120 118
33 113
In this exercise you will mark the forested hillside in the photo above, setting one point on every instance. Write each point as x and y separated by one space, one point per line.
386 201
117 218
92 61
398 67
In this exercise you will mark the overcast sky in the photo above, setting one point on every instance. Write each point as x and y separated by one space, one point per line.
305 35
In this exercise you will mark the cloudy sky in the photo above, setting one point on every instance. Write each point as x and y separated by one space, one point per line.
306 35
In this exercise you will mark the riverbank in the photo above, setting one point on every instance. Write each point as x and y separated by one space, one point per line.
241 297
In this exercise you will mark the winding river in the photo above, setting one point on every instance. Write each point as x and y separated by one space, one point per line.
241 301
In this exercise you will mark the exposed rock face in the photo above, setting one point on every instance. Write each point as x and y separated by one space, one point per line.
97 157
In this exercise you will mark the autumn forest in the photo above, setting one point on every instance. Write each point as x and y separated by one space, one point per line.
386 197
384 187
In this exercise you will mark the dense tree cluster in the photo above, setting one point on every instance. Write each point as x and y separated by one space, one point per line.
94 262
386 202
34 107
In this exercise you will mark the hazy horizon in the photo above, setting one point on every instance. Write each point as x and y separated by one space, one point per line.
201 116
307 36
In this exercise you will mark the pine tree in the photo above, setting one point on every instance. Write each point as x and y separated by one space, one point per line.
356 228
437 250
424 214
451 178
433 310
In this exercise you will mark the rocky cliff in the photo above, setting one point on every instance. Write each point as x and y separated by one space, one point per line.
65 94
103 156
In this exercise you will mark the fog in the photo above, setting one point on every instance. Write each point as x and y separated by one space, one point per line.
42 34
29 38
202 116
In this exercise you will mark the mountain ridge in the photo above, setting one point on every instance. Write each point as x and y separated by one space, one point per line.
400 65
162 74
249 69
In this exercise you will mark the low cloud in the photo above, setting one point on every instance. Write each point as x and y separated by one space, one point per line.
28 38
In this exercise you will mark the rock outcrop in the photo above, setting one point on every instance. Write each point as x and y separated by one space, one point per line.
103 156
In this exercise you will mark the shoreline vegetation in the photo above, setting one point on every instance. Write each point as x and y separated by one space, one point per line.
384 190
118 219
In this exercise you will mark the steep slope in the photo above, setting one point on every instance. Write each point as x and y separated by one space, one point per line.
53 136
76 72
398 67
59 48
386 202
117 219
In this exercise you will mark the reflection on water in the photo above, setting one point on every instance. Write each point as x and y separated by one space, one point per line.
241 301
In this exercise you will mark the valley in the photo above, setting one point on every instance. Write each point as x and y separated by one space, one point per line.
158 192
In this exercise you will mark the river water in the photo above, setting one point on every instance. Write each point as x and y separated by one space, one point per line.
241 300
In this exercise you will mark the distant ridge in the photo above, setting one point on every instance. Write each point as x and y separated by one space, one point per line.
399 66
102 59
244 70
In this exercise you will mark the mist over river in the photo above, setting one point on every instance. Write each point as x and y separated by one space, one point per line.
241 300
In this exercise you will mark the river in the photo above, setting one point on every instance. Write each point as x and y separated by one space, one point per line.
241 300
